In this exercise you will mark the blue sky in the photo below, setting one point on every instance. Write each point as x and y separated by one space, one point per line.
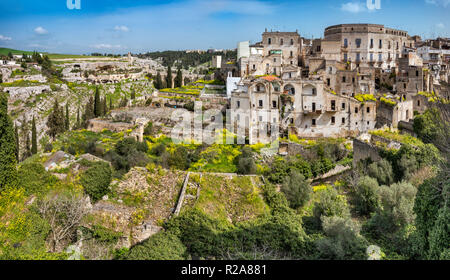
119 26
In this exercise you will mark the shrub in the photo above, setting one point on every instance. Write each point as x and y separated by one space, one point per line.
246 166
34 178
296 190
366 197
96 180
161 246
331 204
382 171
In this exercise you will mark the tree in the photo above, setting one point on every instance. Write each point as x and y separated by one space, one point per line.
296 190
55 121
158 82
27 152
397 203
110 103
331 203
366 197
16 137
88 112
97 103
382 171
104 107
8 172
34 147
179 78
78 123
67 119
169 78
63 212
133 94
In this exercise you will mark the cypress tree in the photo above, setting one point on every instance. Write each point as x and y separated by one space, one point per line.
179 78
27 153
104 107
55 121
16 136
67 119
110 103
158 82
169 78
8 171
78 124
88 112
133 94
97 104
34 147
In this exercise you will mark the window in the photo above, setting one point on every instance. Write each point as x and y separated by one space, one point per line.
328 81
254 67
353 79
358 56
380 44
333 120
269 41
418 103
343 79
313 107
274 59
292 41
274 104
345 43
380 57
345 57
368 109
281 41
292 62
238 103
314 91
313 122
371 56
371 43
356 110
343 106
417 73
333 105
260 118
292 120
358 42
260 103
343 120
292 54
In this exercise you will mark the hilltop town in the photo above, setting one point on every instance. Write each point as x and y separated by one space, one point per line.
326 148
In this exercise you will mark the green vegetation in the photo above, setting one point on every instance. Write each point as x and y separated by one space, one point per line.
96 180
365 97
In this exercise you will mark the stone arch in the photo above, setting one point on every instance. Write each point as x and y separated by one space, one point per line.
289 89
260 87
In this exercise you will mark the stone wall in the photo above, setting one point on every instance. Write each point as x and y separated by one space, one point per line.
363 150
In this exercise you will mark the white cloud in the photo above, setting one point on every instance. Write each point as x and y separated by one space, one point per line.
4 38
444 3
107 46
121 28
353 7
40 30
440 25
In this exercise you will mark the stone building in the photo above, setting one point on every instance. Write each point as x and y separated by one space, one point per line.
391 111
369 44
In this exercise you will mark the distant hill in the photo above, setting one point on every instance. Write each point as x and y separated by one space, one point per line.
5 51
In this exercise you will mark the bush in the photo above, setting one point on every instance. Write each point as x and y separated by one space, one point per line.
296 190
382 171
342 241
96 180
148 130
161 246
366 197
246 166
331 204
34 178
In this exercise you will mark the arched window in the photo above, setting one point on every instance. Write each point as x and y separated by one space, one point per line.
289 89
269 41
281 41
